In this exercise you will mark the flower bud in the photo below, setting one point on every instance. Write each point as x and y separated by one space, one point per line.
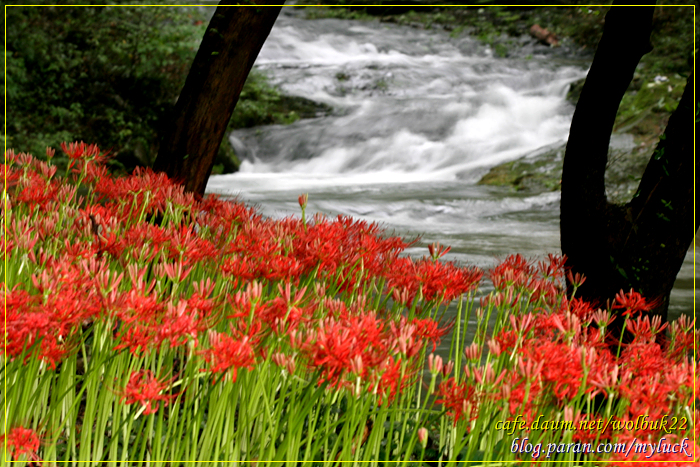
303 199
435 363
423 436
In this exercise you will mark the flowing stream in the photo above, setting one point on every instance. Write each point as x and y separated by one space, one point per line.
418 118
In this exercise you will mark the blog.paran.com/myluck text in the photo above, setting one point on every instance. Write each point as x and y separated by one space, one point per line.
522 446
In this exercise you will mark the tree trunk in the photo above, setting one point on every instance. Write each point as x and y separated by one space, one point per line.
640 245
228 50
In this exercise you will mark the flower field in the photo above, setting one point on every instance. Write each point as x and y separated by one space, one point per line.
146 327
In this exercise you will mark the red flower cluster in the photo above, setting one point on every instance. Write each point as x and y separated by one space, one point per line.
143 387
519 282
359 346
133 252
461 401
553 358
230 353
163 270
21 441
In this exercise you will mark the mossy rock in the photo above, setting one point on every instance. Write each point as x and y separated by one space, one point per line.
541 173
645 110
302 107
575 91
537 173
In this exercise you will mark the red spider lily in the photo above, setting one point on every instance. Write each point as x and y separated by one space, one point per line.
543 290
186 244
337 341
683 338
434 280
632 302
285 361
31 189
605 381
643 360
583 310
282 268
245 302
569 325
77 253
529 369
603 318
513 390
67 298
201 300
281 316
147 323
242 267
576 280
506 340
22 232
423 436
320 246
653 383
143 387
410 336
437 250
563 371
46 227
485 375
228 353
138 285
514 271
86 160
222 216
522 324
179 324
176 272
494 347
138 313
460 400
80 150
142 192
645 330
448 280
647 397
21 441
389 378
144 242
553 269
170 197
473 352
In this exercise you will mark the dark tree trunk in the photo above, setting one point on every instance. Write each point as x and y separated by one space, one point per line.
640 245
229 48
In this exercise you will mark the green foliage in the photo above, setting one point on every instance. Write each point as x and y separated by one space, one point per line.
104 74
645 101
261 103
256 104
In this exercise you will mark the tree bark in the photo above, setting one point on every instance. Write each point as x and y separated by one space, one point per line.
226 55
642 244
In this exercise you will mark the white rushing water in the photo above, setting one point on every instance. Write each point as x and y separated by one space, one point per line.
418 118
